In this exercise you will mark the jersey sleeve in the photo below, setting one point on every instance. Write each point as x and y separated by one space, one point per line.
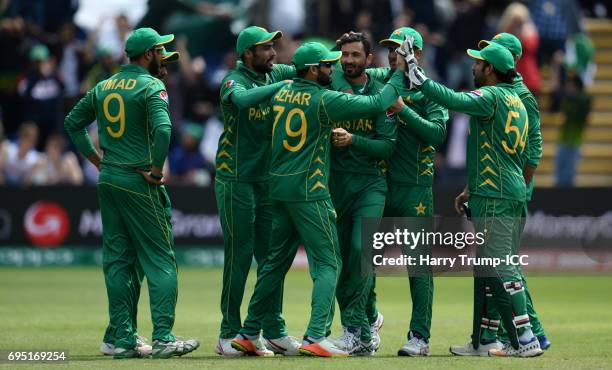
340 106
431 128
378 74
159 118
382 145
282 72
479 103
233 92
81 116
534 133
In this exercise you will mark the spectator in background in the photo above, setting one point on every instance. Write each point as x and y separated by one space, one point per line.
42 91
103 69
576 108
555 21
517 21
18 159
185 161
466 29
3 149
112 34
579 54
71 52
55 166
14 46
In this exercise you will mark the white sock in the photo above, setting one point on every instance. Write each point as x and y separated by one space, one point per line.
526 336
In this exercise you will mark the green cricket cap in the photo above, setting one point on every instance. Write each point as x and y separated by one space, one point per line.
170 56
500 58
313 53
255 35
507 40
399 35
144 39
39 52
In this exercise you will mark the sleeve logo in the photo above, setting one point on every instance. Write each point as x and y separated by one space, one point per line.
164 95
229 83
476 93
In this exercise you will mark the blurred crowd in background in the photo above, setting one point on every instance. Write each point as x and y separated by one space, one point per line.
53 51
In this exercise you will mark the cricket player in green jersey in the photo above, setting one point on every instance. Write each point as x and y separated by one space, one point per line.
304 114
358 189
496 188
108 344
131 109
410 177
241 183
533 151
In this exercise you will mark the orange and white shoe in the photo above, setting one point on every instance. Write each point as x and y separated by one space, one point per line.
251 346
324 348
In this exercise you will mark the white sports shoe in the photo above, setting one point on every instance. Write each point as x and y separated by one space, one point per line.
375 331
251 346
323 348
224 348
286 346
349 341
469 350
364 349
528 349
415 346
142 347
107 349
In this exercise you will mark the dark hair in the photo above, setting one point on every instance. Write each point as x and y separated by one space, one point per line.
252 49
507 77
577 81
356 37
301 73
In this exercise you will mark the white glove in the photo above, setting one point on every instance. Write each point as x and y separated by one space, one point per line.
415 73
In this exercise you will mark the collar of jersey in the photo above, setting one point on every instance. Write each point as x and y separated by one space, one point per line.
133 68
305 81
249 72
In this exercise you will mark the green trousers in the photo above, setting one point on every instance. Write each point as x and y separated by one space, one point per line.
313 224
137 229
407 200
498 291
356 196
245 213
536 325
109 333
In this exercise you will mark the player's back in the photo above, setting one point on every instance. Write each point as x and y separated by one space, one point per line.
498 143
124 129
299 165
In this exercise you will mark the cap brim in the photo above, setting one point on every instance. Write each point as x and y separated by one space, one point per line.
389 41
171 57
474 54
165 39
483 44
332 56
270 37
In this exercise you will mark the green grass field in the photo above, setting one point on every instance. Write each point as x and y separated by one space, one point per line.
65 308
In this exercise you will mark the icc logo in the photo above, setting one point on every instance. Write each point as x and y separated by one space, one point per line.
46 224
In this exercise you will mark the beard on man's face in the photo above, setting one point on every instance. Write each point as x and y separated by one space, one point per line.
352 70
323 79
263 66
155 67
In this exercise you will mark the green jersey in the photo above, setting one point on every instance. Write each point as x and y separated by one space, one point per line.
373 137
131 108
534 135
304 113
422 126
497 137
243 153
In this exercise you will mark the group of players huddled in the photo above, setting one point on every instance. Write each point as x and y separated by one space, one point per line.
308 151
